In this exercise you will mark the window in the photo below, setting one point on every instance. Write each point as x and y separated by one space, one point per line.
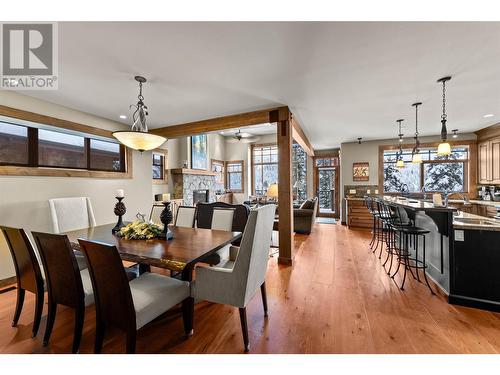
61 150
264 168
52 147
159 166
299 173
435 174
218 168
105 156
235 176
13 144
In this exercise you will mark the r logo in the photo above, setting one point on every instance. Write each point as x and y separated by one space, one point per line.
27 49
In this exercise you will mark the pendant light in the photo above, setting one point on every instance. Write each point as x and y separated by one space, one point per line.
138 137
444 148
416 157
399 155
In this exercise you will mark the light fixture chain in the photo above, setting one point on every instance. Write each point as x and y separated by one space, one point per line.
443 116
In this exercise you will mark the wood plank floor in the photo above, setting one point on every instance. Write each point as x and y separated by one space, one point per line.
336 298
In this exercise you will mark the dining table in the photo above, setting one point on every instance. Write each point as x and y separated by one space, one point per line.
180 254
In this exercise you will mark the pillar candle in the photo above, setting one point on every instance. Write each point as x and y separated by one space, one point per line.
120 193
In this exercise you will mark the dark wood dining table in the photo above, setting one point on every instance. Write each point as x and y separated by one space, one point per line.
188 247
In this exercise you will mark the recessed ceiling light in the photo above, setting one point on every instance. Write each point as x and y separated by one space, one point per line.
123 117
488 115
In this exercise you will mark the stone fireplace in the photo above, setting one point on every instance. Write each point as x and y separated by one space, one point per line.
190 182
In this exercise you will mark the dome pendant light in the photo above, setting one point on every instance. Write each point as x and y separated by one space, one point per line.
444 148
399 155
416 157
138 137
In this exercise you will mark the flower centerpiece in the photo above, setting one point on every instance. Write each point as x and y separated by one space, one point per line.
140 230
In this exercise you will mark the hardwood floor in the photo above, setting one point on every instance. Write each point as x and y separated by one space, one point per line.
335 299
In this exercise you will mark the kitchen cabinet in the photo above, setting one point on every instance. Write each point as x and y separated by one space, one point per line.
489 161
358 215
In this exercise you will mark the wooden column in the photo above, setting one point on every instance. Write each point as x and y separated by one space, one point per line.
285 198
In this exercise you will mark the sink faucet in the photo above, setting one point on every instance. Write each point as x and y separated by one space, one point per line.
465 197
446 194
425 192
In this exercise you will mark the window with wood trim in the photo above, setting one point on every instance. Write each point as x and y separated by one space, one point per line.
52 147
158 166
235 176
217 166
264 167
435 173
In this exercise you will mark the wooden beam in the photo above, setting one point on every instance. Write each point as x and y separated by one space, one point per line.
285 198
215 124
300 137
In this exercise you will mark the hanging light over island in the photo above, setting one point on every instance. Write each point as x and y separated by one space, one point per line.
138 138
444 148
416 157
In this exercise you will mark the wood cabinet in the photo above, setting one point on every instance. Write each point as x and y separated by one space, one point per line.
489 161
358 215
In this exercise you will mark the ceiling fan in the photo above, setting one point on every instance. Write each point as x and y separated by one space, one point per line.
243 137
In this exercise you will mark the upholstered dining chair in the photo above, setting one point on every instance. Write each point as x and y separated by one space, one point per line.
71 214
154 215
237 282
28 274
222 219
66 284
128 306
185 217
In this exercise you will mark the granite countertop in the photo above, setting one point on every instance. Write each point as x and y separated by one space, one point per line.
416 204
475 222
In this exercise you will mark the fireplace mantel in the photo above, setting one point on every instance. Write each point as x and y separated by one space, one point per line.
199 172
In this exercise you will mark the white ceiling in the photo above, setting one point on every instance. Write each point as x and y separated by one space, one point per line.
343 80
254 130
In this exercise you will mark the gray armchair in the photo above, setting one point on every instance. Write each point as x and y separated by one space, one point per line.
236 283
305 216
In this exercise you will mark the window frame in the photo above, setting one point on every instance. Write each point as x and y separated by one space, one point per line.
228 173
470 165
164 154
253 164
34 121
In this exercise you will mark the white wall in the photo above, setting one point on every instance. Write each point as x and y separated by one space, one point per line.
23 200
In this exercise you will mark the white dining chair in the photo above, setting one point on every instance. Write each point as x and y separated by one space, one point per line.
69 214
185 217
222 219
237 282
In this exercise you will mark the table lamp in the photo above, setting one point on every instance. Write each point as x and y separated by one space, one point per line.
272 191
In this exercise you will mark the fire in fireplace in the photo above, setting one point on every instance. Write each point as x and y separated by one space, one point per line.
200 196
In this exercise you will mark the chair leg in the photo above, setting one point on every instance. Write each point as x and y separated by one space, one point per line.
51 317
19 305
38 312
131 341
244 327
99 336
79 319
264 297
187 315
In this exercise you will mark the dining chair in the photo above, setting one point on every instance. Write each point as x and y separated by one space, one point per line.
28 274
69 214
154 215
123 305
66 284
185 217
237 282
222 219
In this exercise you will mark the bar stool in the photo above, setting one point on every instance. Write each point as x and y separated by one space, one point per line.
406 231
370 205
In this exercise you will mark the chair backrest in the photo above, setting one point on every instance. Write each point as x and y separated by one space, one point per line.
113 299
28 273
64 283
156 210
185 216
222 219
251 264
71 214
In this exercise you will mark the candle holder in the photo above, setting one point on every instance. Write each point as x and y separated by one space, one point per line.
166 218
119 210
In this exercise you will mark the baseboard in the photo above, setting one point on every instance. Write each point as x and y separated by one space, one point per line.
474 302
285 261
8 281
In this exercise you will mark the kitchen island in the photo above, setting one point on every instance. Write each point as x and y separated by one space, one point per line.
463 251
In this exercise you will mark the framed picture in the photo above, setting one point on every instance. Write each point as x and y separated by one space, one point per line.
199 152
360 171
